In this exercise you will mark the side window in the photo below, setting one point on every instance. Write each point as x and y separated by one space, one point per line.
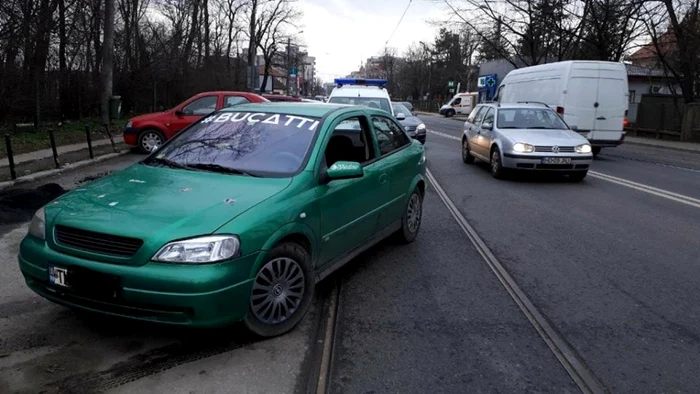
480 115
488 118
350 141
457 101
230 101
201 106
389 136
472 115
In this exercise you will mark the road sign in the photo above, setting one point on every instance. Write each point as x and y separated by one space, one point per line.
450 84
452 90
293 71
490 81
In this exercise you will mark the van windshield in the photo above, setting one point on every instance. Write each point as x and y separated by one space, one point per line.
530 118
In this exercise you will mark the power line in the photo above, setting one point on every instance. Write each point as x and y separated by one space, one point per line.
397 25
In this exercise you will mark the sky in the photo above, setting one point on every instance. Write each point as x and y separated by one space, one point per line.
343 33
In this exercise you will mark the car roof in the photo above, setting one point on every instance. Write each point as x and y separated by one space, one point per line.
298 108
516 105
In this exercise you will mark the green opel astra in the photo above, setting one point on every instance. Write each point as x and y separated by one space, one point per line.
234 219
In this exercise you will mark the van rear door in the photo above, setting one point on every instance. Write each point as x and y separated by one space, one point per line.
581 96
612 102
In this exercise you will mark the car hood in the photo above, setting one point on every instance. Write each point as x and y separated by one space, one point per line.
411 121
154 203
545 137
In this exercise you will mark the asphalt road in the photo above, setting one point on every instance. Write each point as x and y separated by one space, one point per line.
614 269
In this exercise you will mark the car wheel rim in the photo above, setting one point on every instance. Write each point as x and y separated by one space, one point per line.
465 149
413 213
278 290
495 165
150 141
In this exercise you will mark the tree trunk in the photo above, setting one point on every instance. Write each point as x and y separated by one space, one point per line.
207 33
107 66
252 46
63 77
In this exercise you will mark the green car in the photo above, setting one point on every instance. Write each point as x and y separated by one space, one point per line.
235 218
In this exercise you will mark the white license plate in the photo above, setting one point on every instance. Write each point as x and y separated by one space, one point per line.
58 276
556 160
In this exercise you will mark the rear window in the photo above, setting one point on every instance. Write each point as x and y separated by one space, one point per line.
261 144
372 102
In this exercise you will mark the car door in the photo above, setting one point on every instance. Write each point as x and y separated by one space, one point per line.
192 112
350 207
392 142
474 130
484 134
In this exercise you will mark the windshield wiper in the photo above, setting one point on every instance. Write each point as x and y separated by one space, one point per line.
168 163
219 168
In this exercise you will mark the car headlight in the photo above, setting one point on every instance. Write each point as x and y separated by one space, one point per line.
128 124
524 148
209 249
583 148
37 227
421 127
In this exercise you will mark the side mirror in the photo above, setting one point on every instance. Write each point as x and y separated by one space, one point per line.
400 116
487 126
345 170
178 112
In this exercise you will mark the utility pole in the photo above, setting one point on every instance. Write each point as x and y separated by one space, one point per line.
289 61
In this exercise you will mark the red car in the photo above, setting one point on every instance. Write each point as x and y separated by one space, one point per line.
151 130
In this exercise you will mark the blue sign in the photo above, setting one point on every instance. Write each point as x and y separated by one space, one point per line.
293 71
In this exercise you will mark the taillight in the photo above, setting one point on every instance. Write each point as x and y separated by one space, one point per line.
560 110
625 123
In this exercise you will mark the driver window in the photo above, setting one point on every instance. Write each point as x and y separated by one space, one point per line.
350 142
480 115
201 106
488 119
457 101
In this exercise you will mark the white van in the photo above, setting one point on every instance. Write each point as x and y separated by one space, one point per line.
591 96
358 91
461 103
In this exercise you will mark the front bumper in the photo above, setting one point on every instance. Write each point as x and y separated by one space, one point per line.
208 295
131 136
526 161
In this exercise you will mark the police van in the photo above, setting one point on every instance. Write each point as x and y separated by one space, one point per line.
367 92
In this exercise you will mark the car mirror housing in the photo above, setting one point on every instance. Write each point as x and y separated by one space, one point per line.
345 170
487 126
400 116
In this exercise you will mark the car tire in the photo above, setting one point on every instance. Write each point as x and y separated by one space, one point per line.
286 278
496 164
596 150
466 152
450 113
149 137
578 176
411 219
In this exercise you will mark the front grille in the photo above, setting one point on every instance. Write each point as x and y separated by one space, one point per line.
411 128
562 149
97 242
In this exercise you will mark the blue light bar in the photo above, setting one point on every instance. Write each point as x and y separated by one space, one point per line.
360 81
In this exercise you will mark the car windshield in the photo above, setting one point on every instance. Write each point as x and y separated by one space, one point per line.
400 109
245 143
372 102
529 118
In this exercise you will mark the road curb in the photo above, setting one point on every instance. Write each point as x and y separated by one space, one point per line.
697 152
71 166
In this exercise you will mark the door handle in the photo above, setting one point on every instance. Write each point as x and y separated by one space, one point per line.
383 178
601 118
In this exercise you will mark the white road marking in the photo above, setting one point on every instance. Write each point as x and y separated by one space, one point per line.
694 202
444 135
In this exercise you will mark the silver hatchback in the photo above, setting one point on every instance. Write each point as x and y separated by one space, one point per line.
524 136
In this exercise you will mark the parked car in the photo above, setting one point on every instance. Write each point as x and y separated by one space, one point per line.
524 137
591 96
412 124
281 97
151 130
409 106
235 218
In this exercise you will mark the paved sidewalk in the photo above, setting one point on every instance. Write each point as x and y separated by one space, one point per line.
44 153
